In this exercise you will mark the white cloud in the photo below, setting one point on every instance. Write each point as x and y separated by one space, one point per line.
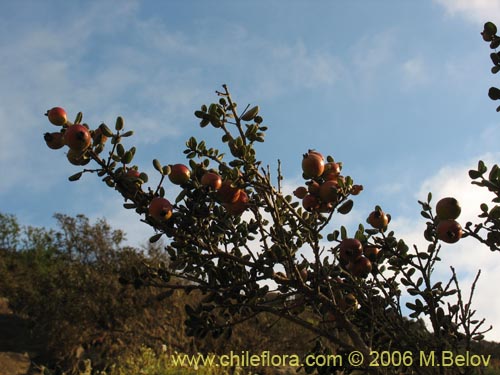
477 11
304 67
371 55
414 72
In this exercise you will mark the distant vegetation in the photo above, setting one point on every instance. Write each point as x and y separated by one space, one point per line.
69 282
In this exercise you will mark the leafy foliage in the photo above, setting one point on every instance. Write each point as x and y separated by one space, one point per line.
249 248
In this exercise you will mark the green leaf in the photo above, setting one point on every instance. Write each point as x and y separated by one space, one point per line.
119 123
120 150
200 114
343 232
105 130
481 167
346 207
490 28
250 114
155 238
181 196
411 306
127 158
157 165
144 177
425 214
78 118
192 143
494 93
474 174
75 177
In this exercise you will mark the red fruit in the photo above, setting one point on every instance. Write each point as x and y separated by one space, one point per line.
300 192
350 249
360 267
179 174
77 137
356 189
449 231
310 202
228 193
316 153
378 219
57 116
371 252
132 173
238 207
332 171
55 141
212 180
328 191
448 208
77 157
313 188
160 209
313 164
325 208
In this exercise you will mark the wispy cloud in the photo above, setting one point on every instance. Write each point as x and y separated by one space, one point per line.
477 11
372 53
415 73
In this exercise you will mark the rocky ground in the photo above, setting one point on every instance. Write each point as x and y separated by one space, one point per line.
17 346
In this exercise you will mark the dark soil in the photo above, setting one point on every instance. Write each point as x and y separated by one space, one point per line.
18 348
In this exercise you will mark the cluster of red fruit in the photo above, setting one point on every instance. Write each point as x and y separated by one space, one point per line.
357 258
79 139
232 198
448 229
76 136
322 191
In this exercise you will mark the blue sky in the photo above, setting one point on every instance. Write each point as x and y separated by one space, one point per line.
396 90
